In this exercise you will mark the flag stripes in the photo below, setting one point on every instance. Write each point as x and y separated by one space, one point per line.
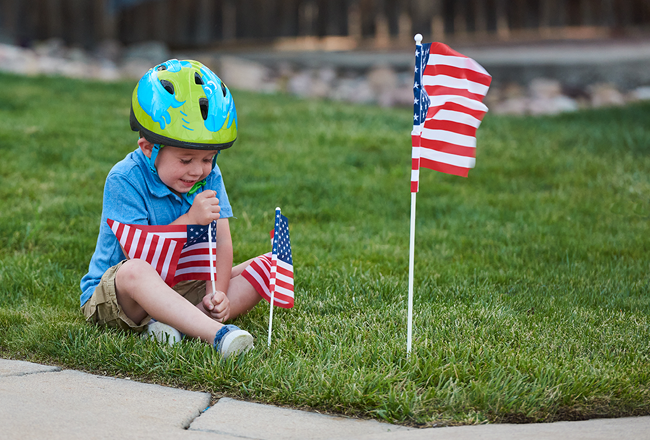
455 85
281 282
176 252
451 86
258 274
444 66
429 157
431 132
194 262
160 246
445 147
272 274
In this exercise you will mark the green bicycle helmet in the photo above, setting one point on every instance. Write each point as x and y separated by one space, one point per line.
184 104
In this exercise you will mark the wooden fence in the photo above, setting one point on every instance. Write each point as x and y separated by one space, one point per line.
338 23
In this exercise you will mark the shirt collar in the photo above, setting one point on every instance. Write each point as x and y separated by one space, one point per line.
155 185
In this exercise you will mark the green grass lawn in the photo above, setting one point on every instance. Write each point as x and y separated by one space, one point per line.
532 296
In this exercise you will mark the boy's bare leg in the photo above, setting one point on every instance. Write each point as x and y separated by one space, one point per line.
140 291
242 296
237 270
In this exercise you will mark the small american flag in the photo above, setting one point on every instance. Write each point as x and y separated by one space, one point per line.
447 110
261 273
194 262
281 281
177 252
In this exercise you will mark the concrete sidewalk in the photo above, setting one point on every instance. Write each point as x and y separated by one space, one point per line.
39 401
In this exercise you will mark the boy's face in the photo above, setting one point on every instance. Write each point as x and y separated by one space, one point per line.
180 168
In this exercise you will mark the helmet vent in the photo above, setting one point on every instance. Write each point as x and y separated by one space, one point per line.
203 104
197 79
223 89
168 86
161 67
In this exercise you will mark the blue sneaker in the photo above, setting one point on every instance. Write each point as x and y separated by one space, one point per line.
231 340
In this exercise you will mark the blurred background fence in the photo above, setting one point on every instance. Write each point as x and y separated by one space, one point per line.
308 24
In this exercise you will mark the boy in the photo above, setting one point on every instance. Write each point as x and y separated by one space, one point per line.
185 116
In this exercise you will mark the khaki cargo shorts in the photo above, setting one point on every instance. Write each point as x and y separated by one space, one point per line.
102 307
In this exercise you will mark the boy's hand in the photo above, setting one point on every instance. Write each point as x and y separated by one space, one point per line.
217 305
205 208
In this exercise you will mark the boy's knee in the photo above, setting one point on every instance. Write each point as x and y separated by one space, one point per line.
131 271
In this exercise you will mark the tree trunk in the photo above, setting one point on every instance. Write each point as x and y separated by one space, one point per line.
229 14
437 21
480 17
503 27
205 22
460 18
382 30
354 20
308 16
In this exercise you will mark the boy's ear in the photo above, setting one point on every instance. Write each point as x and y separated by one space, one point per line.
145 146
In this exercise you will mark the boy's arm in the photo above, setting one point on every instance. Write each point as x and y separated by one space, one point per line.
205 208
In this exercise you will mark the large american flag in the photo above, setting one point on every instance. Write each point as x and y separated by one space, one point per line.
177 252
448 107
274 270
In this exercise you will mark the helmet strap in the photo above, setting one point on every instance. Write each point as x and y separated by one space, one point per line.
214 159
152 160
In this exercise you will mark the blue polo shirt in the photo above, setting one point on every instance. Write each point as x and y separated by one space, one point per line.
135 195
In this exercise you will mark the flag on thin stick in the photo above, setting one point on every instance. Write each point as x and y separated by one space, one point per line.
177 252
281 281
448 91
258 272
448 108
281 270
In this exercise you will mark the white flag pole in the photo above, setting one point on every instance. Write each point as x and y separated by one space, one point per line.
415 177
274 268
409 334
213 268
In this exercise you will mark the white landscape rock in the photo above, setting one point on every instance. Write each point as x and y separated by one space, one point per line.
382 84
552 106
355 90
511 106
134 68
605 95
243 74
105 70
150 52
403 96
641 93
545 88
312 83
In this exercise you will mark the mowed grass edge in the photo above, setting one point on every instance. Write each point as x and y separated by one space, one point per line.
531 301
